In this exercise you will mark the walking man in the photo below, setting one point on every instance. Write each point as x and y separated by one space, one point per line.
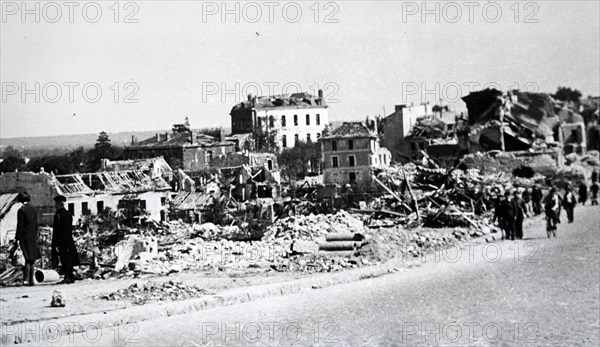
583 192
569 202
551 207
27 236
63 246
594 190
519 214
506 217
536 199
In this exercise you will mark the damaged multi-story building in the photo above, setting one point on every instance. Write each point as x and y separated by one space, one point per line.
280 121
135 193
182 148
350 153
397 126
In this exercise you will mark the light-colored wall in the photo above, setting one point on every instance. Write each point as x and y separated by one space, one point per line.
9 222
289 130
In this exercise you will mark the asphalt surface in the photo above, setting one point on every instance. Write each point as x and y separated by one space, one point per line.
536 291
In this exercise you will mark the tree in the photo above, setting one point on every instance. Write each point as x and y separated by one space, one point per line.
568 94
297 161
12 160
103 149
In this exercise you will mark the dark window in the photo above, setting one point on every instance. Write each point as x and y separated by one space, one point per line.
270 164
296 138
318 135
296 120
334 145
284 141
283 120
334 162
271 121
413 146
143 204
574 135
99 206
307 119
352 177
318 119
84 207
308 138
72 209
350 144
163 201
351 161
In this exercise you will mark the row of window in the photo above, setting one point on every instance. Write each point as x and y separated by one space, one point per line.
335 161
284 121
334 145
309 138
85 207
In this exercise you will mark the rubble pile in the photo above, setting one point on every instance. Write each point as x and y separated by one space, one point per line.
313 227
141 292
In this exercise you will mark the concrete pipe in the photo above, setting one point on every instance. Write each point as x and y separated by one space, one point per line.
340 246
344 237
46 276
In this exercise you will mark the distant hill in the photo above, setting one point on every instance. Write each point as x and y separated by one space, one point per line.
68 142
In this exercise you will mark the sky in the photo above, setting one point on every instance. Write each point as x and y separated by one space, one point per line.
157 62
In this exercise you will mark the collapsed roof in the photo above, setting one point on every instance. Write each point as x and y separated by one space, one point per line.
296 100
117 182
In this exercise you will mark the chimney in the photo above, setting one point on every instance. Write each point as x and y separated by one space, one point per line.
249 97
157 137
321 94
133 140
191 137
167 136
398 108
254 101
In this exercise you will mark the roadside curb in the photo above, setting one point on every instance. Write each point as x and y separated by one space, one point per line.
12 333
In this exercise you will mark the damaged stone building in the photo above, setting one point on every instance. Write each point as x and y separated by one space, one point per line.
397 125
182 148
278 122
130 191
349 154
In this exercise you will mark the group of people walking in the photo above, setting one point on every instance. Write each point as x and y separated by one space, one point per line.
512 208
63 245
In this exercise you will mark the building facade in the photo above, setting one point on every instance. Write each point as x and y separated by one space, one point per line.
397 125
181 149
349 154
280 121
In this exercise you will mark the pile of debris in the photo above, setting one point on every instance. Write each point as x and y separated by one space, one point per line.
141 292
314 227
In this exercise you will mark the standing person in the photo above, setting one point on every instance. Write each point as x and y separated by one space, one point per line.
536 199
27 236
518 206
551 207
569 202
595 176
506 217
594 190
527 201
63 245
583 192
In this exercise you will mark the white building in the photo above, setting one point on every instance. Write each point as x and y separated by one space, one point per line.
285 119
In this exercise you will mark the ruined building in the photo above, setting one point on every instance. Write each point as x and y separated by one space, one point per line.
397 125
182 148
349 154
278 122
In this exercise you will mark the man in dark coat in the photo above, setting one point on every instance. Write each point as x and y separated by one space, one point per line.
506 217
63 245
569 202
583 193
536 199
519 210
27 236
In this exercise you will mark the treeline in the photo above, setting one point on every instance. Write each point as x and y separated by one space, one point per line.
77 160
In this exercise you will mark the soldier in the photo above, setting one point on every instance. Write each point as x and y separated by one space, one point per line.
63 245
27 236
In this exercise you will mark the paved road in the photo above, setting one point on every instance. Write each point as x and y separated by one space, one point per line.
536 291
